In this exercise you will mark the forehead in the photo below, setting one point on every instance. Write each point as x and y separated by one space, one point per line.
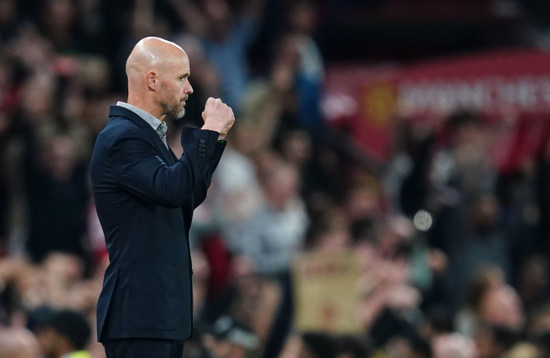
179 63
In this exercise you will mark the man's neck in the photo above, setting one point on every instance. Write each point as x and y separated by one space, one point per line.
147 107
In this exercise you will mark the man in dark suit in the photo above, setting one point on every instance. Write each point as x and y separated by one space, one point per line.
145 198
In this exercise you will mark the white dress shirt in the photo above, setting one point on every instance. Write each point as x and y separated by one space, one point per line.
159 126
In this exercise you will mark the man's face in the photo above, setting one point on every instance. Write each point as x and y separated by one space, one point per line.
175 87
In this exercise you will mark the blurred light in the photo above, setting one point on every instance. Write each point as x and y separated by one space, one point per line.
423 220
338 106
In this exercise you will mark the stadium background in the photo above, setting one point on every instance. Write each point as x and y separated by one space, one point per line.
385 192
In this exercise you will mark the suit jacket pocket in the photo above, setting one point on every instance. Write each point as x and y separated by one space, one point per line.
156 297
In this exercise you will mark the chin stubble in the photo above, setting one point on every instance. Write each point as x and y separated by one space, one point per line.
173 113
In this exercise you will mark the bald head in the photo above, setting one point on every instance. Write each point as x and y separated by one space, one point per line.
151 53
158 72
18 343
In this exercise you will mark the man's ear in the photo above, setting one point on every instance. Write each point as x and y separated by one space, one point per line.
152 80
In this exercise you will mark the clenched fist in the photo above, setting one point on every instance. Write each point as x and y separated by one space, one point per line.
218 117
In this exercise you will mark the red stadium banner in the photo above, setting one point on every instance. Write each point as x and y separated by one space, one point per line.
366 100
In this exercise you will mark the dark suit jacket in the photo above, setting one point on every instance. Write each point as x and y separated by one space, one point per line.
145 199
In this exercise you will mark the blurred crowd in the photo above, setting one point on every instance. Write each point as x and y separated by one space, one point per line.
454 255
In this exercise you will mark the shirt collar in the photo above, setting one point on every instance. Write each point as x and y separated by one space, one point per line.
153 121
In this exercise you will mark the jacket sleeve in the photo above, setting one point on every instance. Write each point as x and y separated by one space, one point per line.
200 192
139 169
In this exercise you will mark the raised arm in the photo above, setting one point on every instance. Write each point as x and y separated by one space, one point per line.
139 170
190 15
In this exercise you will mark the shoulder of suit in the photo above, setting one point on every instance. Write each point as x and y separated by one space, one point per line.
121 127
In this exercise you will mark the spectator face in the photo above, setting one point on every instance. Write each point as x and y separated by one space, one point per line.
67 267
59 17
48 338
175 87
219 16
303 17
334 233
281 185
470 133
18 343
35 53
38 97
398 348
453 346
501 306
224 349
59 157
8 11
296 147
288 52
485 213
362 202
397 240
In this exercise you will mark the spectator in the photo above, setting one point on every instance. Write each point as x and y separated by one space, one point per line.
230 339
467 319
58 21
486 244
454 346
58 199
18 343
277 230
311 345
226 38
481 266
500 305
494 341
302 20
408 346
65 334
350 346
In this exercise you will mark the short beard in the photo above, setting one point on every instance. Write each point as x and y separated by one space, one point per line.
172 112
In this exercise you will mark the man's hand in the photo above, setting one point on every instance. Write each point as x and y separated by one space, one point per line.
218 117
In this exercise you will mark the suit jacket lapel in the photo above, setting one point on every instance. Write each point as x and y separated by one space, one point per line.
165 153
